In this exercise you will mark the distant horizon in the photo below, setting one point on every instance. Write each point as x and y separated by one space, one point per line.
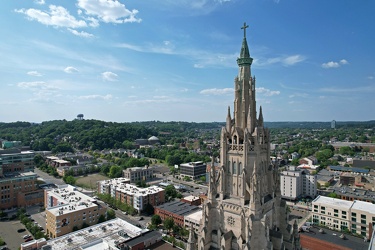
348 121
120 60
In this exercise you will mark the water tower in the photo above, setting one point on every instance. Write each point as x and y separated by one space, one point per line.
80 116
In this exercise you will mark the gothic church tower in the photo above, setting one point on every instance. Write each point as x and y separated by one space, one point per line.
244 209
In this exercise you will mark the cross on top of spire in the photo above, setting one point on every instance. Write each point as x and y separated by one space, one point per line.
244 29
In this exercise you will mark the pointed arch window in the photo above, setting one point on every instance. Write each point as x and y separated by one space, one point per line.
229 167
240 167
234 168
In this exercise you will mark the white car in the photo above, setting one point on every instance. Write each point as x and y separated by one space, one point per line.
26 236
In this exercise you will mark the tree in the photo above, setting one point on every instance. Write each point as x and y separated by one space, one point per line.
2 242
111 214
69 180
156 220
332 195
115 171
295 162
203 178
170 192
101 218
168 223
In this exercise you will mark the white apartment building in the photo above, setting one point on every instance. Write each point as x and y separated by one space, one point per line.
138 198
295 184
356 217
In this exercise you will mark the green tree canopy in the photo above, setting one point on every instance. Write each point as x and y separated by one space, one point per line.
168 223
156 220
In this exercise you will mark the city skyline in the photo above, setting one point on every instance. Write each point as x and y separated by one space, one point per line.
128 61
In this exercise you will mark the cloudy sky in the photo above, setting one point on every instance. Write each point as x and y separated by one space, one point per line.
175 60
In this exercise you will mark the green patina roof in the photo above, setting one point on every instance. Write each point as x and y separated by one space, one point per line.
244 58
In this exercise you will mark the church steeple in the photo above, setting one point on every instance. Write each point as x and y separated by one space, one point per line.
244 58
244 209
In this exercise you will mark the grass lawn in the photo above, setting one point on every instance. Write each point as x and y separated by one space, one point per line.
90 180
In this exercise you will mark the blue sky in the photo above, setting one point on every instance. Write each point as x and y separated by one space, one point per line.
175 60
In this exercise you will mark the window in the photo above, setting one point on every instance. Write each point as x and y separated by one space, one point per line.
363 216
354 219
354 214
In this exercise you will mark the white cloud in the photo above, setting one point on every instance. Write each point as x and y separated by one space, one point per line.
284 60
370 77
109 76
34 73
41 2
35 85
333 64
216 91
291 60
267 92
343 61
109 11
70 70
80 33
57 16
102 97
297 95
330 65
41 91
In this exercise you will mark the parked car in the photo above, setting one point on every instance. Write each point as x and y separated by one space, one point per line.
21 230
26 236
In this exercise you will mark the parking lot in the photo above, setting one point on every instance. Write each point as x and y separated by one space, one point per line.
8 232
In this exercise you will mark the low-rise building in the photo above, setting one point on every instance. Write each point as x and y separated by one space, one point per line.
112 234
138 198
177 210
194 219
192 200
138 173
297 183
355 216
67 208
193 170
311 160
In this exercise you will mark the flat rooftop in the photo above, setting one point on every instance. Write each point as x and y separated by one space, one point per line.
126 188
195 216
178 207
71 200
364 206
351 242
333 202
108 233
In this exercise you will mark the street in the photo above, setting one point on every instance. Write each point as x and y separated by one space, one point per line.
48 178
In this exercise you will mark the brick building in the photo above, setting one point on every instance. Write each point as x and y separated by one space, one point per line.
176 210
18 184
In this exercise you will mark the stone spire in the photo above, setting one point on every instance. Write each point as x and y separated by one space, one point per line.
229 121
191 241
260 120
212 185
